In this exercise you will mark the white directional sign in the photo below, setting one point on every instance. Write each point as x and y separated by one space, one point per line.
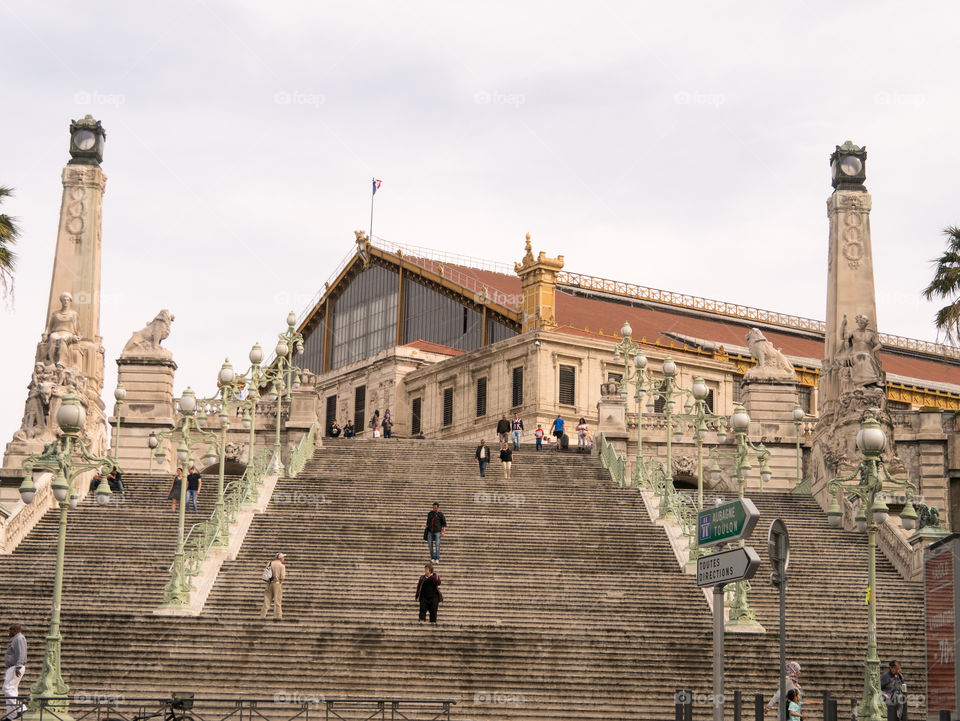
727 566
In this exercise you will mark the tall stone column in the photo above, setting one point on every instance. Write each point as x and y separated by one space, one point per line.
70 353
538 280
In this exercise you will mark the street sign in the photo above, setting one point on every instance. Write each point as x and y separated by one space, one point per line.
726 523
727 566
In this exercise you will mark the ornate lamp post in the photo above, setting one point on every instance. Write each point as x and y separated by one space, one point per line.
702 419
740 611
283 375
119 394
865 484
798 415
177 591
49 692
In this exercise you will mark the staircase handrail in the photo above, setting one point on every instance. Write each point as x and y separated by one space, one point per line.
614 463
302 452
203 535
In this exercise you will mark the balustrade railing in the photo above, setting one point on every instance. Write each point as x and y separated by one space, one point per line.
614 463
302 453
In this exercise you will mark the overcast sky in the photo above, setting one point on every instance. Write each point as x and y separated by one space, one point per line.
677 145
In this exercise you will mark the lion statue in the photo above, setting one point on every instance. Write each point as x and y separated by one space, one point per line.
770 362
146 341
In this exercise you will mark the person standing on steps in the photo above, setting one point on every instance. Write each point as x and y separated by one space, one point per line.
273 592
557 429
483 456
387 424
436 528
194 481
428 594
506 459
375 424
581 435
517 426
893 688
14 662
538 434
503 429
174 494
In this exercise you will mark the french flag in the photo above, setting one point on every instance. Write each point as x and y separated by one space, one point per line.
376 185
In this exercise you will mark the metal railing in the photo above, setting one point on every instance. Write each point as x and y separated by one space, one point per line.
614 463
283 706
302 452
581 281
202 536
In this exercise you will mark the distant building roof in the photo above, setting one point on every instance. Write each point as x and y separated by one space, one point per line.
429 347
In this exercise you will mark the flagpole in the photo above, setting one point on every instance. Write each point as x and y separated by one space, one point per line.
373 192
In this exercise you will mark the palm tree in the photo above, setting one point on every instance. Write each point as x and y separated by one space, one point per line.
9 232
946 284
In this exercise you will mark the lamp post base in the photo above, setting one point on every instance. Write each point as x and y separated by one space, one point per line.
871 706
49 692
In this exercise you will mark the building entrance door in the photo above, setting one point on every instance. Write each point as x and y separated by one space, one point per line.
331 414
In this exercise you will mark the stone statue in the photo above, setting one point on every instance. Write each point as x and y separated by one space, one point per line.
927 516
771 365
146 341
63 331
861 352
37 415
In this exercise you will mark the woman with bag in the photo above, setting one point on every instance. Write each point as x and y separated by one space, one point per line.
375 424
174 494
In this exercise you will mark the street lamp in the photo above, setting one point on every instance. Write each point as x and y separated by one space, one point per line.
865 484
740 611
49 692
119 393
282 376
798 415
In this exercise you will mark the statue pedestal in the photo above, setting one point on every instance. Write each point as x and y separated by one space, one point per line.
148 407
612 414
770 401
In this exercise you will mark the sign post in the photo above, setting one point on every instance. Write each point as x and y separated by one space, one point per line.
723 524
778 548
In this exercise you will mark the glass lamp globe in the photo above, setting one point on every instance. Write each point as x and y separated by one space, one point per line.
210 458
625 330
291 319
871 438
298 348
908 516
256 354
671 404
103 492
798 413
722 434
669 368
152 440
296 380
740 420
226 374
834 514
70 416
188 402
246 420
640 361
119 393
861 520
881 512
765 473
28 490
74 500
60 487
616 356
715 470
182 452
282 349
700 390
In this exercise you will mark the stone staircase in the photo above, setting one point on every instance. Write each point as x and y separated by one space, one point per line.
562 600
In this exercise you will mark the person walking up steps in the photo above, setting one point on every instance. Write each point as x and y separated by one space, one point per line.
557 429
483 456
273 592
506 459
428 594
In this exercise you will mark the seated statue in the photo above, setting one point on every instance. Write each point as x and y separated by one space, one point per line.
146 341
63 331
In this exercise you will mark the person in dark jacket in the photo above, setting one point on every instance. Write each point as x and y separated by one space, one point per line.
436 527
893 688
503 429
506 459
429 594
348 430
387 424
483 456
335 429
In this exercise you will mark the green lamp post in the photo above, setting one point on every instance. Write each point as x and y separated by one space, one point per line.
282 376
740 611
119 393
798 415
48 694
865 485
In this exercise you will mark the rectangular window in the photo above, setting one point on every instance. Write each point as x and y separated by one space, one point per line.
738 389
359 406
806 401
568 386
415 416
517 387
448 406
481 397
331 413
614 377
660 404
709 400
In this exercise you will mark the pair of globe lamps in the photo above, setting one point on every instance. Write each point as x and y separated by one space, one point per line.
71 418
